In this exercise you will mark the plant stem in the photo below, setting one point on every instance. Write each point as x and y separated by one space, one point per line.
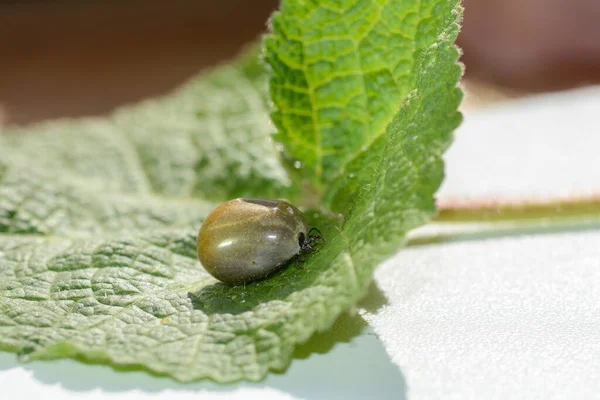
463 222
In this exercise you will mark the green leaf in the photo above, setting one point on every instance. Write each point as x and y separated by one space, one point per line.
209 139
98 217
341 70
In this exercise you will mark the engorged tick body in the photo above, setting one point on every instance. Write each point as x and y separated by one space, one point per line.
244 240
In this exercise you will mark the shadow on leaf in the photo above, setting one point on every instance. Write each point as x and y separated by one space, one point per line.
220 298
347 327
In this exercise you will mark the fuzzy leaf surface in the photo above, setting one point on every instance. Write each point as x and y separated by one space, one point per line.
98 217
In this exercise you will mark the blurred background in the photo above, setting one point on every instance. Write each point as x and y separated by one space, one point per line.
67 58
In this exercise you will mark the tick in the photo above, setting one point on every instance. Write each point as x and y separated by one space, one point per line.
245 240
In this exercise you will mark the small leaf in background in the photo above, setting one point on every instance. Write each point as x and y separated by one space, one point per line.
98 217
